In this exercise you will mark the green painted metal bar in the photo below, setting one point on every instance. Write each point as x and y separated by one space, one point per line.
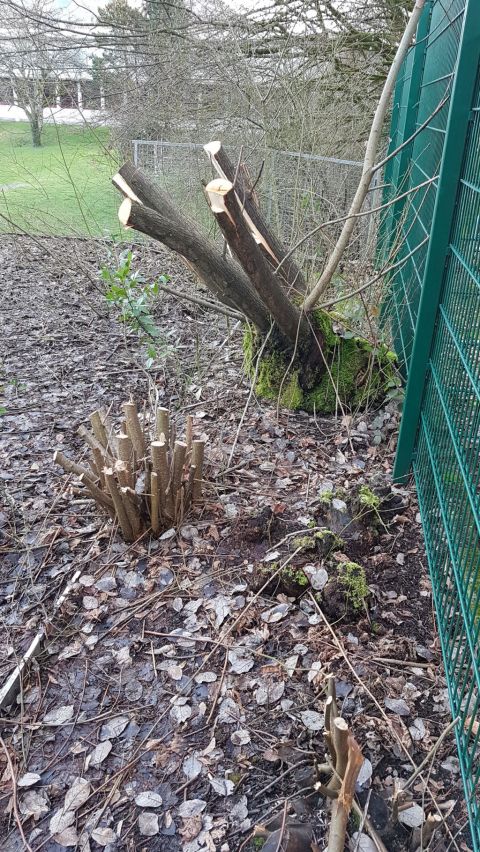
461 355
466 616
450 172
465 476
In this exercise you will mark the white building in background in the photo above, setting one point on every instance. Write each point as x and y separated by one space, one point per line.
72 98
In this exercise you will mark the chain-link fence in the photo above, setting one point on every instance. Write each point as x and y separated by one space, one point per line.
296 192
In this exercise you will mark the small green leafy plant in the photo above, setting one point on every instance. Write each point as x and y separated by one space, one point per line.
353 579
367 498
132 295
370 502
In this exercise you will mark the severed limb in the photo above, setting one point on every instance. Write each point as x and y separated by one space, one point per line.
226 209
342 805
148 209
269 243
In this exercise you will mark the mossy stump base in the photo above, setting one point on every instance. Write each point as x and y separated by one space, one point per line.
357 373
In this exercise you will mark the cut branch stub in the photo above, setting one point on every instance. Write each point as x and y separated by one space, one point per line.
342 806
198 450
154 504
125 454
347 760
340 735
101 497
149 210
179 453
160 467
91 440
224 205
162 422
134 430
119 505
274 251
70 466
98 427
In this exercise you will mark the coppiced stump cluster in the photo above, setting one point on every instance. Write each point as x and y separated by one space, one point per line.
142 480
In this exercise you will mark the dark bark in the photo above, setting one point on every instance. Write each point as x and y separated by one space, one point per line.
224 278
36 131
226 209
289 272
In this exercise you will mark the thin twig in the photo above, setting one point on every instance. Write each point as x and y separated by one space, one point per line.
204 303
14 795
431 754
362 821
360 215
336 299
282 827
219 690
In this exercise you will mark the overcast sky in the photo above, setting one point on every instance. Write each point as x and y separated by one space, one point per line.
82 7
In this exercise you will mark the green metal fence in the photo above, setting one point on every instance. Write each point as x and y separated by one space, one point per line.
434 311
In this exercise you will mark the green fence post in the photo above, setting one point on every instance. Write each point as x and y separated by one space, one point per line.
438 248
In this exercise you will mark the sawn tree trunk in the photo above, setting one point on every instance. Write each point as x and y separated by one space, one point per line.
301 359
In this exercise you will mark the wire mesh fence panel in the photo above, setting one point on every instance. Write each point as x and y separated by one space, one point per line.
434 310
423 102
296 192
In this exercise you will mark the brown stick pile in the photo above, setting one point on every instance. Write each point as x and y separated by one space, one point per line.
142 482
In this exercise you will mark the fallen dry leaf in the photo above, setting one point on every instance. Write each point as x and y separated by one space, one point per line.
104 836
29 779
59 716
98 755
148 799
148 824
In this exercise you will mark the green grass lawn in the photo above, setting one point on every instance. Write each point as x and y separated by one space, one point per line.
62 188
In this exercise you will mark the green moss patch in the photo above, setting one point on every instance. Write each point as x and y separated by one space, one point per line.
276 380
291 580
324 542
367 498
357 374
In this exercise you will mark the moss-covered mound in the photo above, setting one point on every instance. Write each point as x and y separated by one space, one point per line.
357 373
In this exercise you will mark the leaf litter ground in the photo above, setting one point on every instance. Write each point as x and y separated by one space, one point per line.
178 699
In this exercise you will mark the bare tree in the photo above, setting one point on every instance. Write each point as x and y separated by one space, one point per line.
297 75
33 53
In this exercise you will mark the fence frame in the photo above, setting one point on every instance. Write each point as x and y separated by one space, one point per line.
439 251
440 428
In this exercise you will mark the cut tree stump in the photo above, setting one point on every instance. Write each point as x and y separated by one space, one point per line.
302 360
